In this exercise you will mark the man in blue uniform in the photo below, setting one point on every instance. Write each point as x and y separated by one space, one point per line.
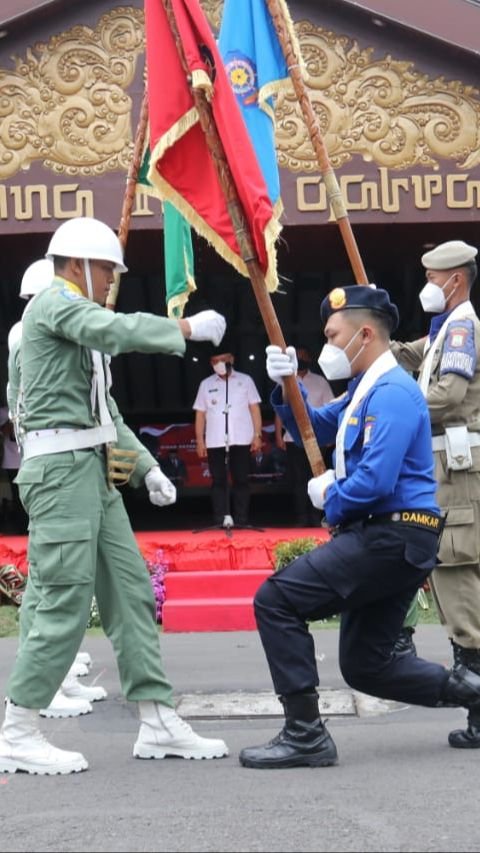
380 503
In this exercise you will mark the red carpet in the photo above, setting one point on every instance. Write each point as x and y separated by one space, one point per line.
211 577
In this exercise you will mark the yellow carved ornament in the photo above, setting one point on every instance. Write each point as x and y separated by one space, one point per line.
66 104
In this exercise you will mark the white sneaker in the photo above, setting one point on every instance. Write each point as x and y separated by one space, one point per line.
78 670
163 733
65 706
74 690
23 747
85 658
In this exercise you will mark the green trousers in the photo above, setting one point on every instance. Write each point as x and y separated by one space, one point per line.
81 544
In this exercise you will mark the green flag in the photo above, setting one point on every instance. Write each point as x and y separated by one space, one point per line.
179 272
178 249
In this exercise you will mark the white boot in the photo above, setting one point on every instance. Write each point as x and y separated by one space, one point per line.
66 706
74 690
23 746
163 733
78 669
85 658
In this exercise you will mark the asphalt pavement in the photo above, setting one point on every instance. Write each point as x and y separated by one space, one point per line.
398 785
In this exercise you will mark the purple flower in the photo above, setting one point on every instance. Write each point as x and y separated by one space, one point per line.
158 567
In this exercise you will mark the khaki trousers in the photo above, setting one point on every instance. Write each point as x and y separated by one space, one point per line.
455 582
456 592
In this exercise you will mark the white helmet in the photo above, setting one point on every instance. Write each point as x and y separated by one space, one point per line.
14 335
89 239
36 278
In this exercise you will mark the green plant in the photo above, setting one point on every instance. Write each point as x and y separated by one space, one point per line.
94 619
9 614
285 552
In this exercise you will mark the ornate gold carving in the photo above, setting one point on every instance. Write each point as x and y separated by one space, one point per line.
382 109
66 104
213 11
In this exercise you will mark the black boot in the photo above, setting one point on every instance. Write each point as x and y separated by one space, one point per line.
404 644
303 741
468 738
466 657
463 689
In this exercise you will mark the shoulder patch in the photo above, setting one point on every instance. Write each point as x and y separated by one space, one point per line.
69 294
459 353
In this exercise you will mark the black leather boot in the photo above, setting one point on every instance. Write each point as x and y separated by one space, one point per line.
404 644
468 738
466 657
463 689
303 742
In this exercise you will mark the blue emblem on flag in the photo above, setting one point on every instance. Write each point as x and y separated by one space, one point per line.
242 74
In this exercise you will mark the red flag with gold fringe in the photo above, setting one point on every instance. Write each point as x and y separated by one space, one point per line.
181 165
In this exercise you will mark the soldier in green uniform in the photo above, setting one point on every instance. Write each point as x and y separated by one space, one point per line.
72 698
80 539
448 362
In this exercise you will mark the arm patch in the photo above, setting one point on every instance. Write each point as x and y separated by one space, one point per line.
459 352
368 429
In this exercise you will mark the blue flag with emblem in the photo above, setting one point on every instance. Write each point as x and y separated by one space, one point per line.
257 71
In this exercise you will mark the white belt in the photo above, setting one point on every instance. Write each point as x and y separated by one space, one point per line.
39 442
438 441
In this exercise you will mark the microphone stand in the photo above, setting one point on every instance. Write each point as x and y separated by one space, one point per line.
227 518
227 524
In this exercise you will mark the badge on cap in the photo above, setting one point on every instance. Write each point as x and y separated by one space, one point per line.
337 298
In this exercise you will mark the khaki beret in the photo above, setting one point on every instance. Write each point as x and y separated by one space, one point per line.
449 255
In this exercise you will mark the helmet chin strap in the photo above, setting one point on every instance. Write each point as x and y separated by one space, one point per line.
88 276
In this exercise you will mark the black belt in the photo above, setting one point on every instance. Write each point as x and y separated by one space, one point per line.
413 517
423 519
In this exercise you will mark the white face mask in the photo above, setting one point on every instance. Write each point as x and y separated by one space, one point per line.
220 368
334 361
433 298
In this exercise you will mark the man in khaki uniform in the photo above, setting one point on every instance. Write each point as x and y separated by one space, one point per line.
80 539
448 361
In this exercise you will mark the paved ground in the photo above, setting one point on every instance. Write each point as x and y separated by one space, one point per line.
398 786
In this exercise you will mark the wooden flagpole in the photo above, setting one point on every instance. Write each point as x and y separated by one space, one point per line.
333 190
129 196
244 239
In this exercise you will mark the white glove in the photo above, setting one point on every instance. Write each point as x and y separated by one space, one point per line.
281 364
161 490
317 487
207 326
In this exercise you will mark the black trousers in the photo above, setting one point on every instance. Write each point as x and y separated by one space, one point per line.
299 472
298 475
368 573
238 468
